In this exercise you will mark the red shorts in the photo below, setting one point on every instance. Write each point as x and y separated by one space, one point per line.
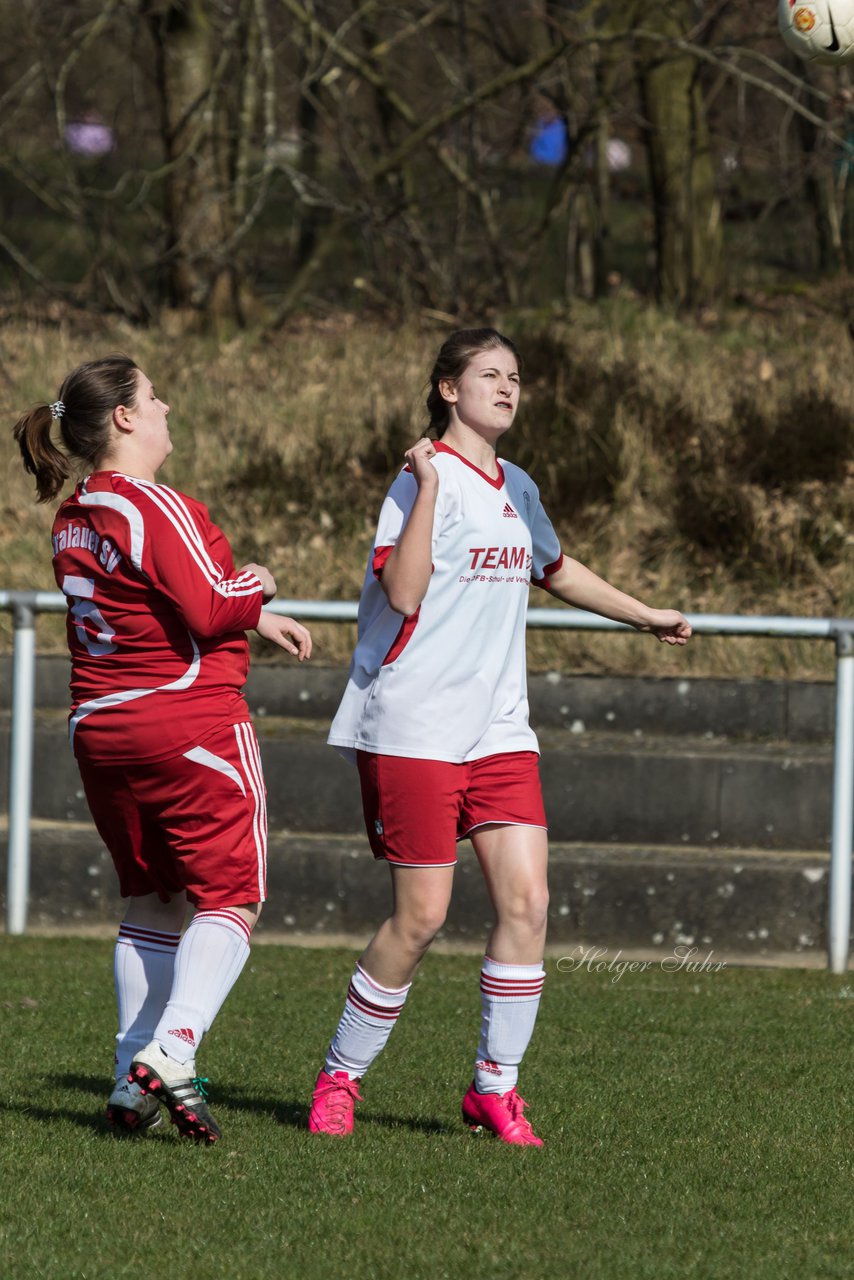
417 810
195 822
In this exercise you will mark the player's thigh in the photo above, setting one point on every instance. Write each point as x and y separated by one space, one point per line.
514 861
136 843
211 805
422 894
507 826
411 808
503 789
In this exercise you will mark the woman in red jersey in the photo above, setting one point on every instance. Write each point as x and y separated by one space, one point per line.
436 715
157 615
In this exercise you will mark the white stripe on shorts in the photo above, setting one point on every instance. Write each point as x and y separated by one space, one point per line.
250 756
200 756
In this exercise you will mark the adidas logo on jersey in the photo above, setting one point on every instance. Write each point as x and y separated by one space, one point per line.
184 1033
508 512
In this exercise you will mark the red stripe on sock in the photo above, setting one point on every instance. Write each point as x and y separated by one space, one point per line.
359 1002
386 991
510 983
135 935
510 987
230 919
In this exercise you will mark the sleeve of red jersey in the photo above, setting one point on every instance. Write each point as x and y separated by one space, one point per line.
179 557
394 515
547 555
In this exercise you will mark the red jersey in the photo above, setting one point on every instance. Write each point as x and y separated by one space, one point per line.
156 619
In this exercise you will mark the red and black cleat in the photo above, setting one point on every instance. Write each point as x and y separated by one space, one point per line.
182 1095
130 1111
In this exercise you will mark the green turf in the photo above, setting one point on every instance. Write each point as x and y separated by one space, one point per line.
696 1125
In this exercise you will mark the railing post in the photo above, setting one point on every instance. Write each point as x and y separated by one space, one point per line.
839 893
21 765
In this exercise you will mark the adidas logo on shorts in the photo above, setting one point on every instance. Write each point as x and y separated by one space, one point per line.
508 512
184 1033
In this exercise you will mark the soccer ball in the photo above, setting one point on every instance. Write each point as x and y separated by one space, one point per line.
818 30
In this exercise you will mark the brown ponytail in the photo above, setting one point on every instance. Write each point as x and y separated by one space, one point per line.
41 457
87 399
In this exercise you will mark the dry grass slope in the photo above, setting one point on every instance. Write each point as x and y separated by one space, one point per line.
708 466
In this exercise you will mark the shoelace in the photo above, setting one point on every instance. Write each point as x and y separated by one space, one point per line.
199 1083
335 1102
516 1106
337 1087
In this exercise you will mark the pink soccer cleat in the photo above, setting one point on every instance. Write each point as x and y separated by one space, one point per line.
332 1104
501 1114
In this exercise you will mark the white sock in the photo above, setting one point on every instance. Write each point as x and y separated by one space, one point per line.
143 967
210 958
370 1012
510 998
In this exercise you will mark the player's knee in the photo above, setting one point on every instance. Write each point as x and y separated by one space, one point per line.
541 909
421 925
528 909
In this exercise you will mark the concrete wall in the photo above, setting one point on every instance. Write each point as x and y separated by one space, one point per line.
679 809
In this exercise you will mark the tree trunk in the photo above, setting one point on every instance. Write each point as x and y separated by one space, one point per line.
825 196
688 233
601 190
198 207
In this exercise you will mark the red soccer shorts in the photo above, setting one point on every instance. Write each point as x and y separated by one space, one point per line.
195 822
416 810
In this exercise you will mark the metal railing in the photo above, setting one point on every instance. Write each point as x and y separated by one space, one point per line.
25 606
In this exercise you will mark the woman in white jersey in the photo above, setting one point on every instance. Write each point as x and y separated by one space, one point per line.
436 714
157 615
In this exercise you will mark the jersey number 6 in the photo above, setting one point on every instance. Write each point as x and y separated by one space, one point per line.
83 609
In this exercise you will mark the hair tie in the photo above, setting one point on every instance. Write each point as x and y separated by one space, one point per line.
57 409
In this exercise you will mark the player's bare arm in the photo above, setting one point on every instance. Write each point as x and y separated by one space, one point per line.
575 584
287 633
406 574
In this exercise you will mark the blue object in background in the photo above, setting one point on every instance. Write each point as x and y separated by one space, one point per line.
549 143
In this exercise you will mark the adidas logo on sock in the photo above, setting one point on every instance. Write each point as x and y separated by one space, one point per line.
184 1033
508 512
491 1068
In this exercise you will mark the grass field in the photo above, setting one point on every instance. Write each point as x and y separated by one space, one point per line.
696 1125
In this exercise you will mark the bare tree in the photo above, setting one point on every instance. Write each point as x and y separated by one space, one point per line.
211 64
305 152
686 207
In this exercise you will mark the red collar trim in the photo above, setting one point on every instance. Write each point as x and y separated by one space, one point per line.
497 483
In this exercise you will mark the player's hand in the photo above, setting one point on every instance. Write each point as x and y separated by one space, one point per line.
669 625
268 582
286 633
418 461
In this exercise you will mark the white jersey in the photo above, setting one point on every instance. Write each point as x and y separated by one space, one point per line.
449 682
